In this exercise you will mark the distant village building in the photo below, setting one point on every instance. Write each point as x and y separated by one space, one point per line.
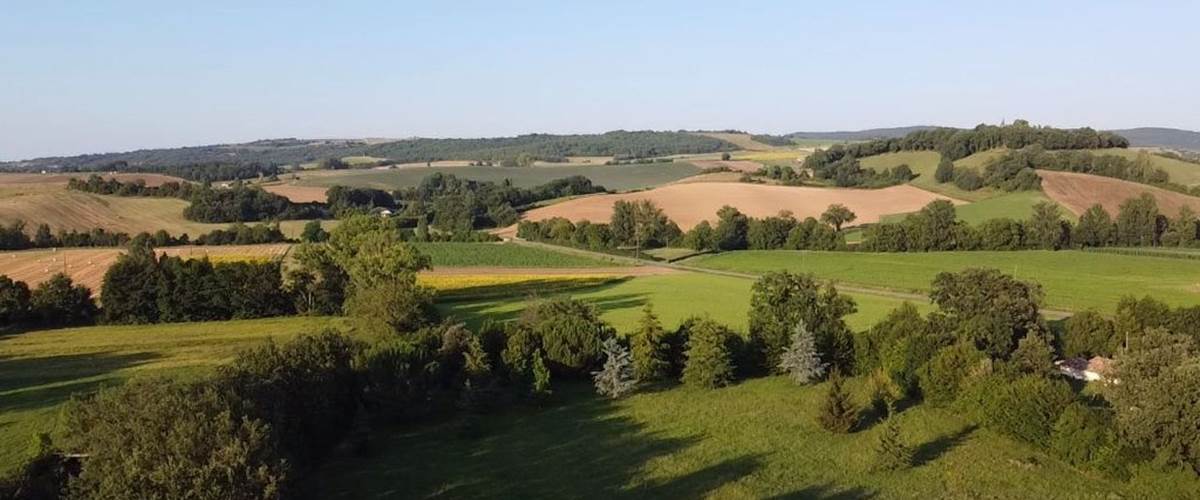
1098 368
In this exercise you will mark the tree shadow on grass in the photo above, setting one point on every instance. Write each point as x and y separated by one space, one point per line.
930 451
581 448
827 491
34 383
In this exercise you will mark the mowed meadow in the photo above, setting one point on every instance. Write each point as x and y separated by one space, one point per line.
1072 280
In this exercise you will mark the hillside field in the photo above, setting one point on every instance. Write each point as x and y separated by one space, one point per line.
449 254
1180 171
614 177
45 199
689 203
1078 192
43 368
1015 205
1072 280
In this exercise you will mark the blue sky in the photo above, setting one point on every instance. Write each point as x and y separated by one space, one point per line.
79 77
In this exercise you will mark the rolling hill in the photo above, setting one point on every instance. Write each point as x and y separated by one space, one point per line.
1171 138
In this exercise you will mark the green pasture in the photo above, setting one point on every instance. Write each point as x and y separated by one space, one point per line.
452 254
1072 280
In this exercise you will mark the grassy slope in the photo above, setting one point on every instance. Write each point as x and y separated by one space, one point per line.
923 163
42 369
674 298
503 254
1014 205
617 177
1072 280
1182 172
65 209
757 439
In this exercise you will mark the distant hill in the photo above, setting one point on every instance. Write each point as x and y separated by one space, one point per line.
860 135
1171 138
551 147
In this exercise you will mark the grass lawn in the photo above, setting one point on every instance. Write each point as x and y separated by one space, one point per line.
756 439
1072 280
616 177
674 297
41 369
504 255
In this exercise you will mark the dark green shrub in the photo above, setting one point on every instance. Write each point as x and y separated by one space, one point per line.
569 332
1026 408
14 301
1087 334
306 390
942 377
781 300
651 349
165 439
1083 436
401 376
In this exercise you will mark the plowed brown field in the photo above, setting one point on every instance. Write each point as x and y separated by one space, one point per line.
1078 192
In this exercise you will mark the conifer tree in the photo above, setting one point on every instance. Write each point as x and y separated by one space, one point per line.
709 362
891 453
650 348
800 359
541 377
616 378
838 413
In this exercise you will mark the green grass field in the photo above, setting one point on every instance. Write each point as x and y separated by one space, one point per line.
1015 205
504 255
756 439
1073 280
615 177
42 369
1180 171
674 297
924 164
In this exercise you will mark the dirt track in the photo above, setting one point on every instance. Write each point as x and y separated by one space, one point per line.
1078 192
689 203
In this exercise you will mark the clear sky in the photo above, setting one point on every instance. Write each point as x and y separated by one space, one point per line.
78 77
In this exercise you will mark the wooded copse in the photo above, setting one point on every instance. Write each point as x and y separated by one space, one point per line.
15 237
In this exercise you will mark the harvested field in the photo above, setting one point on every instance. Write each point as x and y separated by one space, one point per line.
713 177
550 271
735 165
744 141
688 204
88 265
297 194
1077 192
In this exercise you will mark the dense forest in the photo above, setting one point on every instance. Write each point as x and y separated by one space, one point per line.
198 160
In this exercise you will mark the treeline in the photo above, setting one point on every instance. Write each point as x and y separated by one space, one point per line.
641 224
55 303
144 287
14 237
839 161
634 225
197 172
1014 171
619 144
237 203
936 228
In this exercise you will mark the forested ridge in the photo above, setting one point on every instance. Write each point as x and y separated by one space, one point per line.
273 152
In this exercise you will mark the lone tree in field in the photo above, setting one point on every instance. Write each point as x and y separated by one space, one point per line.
801 360
891 453
650 348
616 378
837 215
838 413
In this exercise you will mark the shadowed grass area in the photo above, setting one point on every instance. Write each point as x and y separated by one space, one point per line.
40 370
757 439
675 297
452 254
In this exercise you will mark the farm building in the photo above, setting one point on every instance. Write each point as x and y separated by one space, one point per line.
1096 368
